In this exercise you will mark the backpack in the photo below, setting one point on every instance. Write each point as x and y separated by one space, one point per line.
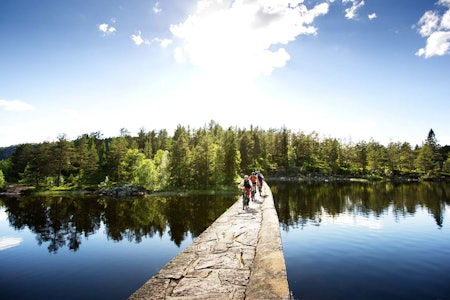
247 184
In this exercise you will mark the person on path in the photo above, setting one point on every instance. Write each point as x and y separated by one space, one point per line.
260 181
254 179
246 190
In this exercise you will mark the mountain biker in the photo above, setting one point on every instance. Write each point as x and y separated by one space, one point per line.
260 181
246 189
253 179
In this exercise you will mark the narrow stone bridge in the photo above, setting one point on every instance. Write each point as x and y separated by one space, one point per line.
240 256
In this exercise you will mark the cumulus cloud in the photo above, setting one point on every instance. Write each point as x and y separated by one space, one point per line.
106 28
352 12
243 36
436 28
372 16
15 105
138 40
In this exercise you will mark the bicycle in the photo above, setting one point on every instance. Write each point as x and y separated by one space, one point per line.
245 198
253 193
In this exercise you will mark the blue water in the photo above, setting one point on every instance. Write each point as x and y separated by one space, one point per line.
100 269
340 242
354 255
66 248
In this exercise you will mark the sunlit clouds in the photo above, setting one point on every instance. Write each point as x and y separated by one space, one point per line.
138 40
352 11
15 105
107 29
246 38
372 16
436 28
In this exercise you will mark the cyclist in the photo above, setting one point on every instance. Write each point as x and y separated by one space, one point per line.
260 181
246 189
253 178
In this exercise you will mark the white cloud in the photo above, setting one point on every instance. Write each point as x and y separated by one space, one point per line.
372 16
352 12
107 29
438 44
244 37
164 43
436 29
137 39
156 8
429 23
15 105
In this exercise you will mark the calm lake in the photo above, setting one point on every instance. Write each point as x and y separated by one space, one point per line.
366 240
341 241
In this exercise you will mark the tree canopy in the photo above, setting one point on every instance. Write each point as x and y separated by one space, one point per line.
211 157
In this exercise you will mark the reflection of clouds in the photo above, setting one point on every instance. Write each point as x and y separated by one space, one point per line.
9 242
350 220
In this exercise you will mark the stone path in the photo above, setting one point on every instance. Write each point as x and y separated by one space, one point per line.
239 256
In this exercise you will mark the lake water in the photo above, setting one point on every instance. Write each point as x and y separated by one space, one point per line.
95 248
341 241
366 240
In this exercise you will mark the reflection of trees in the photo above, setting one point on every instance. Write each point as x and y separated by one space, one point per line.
300 203
58 221
65 221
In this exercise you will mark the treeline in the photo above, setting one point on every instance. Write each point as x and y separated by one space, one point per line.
212 157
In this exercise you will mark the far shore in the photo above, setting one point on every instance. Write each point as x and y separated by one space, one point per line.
125 190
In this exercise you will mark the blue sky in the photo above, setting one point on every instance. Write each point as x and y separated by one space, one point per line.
348 69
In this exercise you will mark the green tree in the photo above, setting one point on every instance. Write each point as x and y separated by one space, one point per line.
133 158
63 152
161 161
281 155
5 166
144 173
361 156
406 157
446 166
118 148
203 159
376 158
19 161
330 153
180 159
2 181
86 159
39 166
259 154
232 158
428 159
425 161
246 150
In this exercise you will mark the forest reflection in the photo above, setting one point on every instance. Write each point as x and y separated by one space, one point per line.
66 220
306 202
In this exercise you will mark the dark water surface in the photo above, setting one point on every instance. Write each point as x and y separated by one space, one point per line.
95 248
365 240
341 241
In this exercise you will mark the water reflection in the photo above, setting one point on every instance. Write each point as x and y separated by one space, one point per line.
9 242
65 221
306 202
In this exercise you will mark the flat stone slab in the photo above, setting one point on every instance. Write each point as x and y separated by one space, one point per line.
240 256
